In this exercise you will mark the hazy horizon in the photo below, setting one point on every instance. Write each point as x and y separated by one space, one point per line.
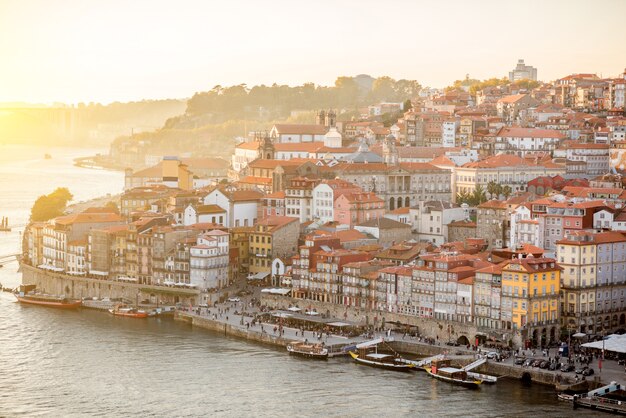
70 51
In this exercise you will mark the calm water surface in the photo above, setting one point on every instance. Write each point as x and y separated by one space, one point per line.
87 363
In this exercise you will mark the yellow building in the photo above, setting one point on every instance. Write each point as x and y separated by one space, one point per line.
240 239
530 298
273 237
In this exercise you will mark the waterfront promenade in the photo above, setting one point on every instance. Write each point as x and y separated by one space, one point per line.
222 318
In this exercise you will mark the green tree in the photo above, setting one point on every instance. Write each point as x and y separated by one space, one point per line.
478 195
51 205
507 191
494 189
407 105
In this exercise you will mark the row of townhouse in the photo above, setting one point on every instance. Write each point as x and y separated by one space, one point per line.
518 296
147 251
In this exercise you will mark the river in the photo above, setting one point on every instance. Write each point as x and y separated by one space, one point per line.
88 363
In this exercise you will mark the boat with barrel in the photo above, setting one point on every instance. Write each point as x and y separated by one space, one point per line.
441 369
308 350
51 301
128 312
367 354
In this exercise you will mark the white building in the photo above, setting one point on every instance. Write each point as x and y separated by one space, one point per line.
324 195
241 206
204 214
595 156
519 141
208 261
431 219
524 229
333 138
244 154
448 134
284 133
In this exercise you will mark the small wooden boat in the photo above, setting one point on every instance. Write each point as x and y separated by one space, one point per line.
441 369
128 312
50 301
565 397
303 349
383 361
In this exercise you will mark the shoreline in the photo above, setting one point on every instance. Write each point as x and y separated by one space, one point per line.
413 348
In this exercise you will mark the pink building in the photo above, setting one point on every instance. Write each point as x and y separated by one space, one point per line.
356 207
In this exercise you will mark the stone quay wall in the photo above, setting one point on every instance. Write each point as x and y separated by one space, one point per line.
409 347
230 330
440 330
78 287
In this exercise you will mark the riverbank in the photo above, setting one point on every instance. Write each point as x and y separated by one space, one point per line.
263 333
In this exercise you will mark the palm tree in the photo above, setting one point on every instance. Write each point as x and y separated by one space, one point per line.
478 195
507 191
492 188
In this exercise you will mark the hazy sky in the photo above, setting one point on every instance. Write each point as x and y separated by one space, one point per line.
88 50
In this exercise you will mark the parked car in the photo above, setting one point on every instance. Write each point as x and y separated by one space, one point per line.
544 364
520 360
453 344
588 371
567 368
528 362
492 355
234 300
537 362
580 370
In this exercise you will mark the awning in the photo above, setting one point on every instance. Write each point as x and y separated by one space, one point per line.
259 276
339 324
294 309
276 291
613 342
281 314
579 335
99 273
312 313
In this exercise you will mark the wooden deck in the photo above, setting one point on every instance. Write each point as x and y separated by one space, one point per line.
601 404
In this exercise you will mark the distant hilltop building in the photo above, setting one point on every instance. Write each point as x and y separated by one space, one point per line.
523 71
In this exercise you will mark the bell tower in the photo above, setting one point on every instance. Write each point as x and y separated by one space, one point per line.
331 119
266 147
320 119
390 153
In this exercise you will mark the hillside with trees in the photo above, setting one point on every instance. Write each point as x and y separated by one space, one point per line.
213 118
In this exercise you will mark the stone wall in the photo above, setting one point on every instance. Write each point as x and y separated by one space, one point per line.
444 331
78 287
227 329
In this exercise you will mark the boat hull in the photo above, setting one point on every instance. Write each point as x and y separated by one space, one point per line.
129 314
308 355
312 354
380 365
50 304
472 384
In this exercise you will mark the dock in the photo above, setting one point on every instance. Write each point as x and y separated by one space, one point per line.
601 404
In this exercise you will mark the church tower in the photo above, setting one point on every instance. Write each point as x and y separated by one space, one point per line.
390 153
331 119
320 118
266 148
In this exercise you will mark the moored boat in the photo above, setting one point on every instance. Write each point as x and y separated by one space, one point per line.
380 360
441 369
51 301
128 312
304 349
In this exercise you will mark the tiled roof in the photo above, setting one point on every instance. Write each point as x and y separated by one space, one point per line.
514 132
300 129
